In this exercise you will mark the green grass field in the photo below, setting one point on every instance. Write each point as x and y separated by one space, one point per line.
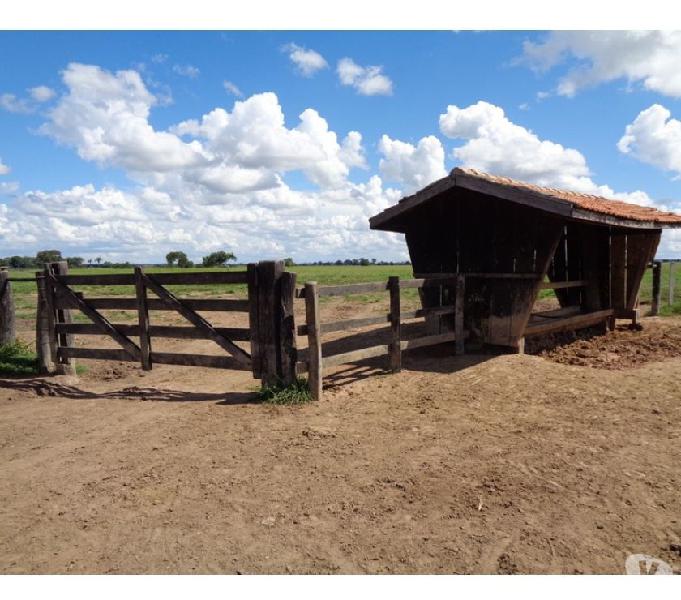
25 291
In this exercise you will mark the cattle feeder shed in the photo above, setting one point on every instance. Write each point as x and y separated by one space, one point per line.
511 239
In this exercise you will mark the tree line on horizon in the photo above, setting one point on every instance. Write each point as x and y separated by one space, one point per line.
175 258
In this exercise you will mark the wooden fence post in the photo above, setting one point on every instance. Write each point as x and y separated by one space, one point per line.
314 346
143 319
657 288
288 352
671 284
395 324
253 320
43 332
458 313
269 346
8 331
64 364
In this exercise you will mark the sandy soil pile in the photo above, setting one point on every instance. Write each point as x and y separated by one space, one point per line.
622 349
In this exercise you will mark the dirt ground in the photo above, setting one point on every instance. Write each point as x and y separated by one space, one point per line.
565 461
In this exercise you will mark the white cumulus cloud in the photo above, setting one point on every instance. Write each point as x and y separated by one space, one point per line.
650 58
4 169
11 103
368 81
412 166
232 88
42 93
307 61
105 117
187 71
494 144
654 137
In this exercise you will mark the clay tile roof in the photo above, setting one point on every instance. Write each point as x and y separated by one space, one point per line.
589 202
573 205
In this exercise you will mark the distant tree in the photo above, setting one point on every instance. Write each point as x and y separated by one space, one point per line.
98 260
47 256
218 259
89 261
288 262
22 262
74 261
364 262
177 257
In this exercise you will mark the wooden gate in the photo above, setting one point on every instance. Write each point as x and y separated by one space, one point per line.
273 352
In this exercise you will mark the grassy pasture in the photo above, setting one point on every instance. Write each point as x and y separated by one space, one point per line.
25 292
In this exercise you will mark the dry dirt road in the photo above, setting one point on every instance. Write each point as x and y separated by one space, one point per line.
475 464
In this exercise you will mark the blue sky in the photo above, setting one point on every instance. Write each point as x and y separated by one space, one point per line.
550 108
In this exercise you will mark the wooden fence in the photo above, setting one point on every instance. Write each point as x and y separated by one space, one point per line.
270 352
656 299
316 359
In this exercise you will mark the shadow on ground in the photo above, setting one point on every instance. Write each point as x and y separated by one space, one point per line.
45 387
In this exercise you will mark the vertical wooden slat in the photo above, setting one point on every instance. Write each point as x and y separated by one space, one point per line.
7 317
253 321
269 287
657 288
395 324
670 297
42 326
65 365
287 329
313 339
618 266
50 311
458 312
143 319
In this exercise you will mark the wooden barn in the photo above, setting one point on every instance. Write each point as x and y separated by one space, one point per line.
511 239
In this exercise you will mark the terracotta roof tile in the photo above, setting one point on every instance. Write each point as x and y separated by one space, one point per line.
589 202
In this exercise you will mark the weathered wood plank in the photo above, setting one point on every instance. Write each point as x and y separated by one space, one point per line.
567 311
424 312
559 285
430 340
314 342
253 320
657 288
105 326
477 275
269 289
197 320
237 334
8 331
352 288
347 324
202 304
459 305
618 270
568 323
143 319
184 278
395 324
199 360
355 355
288 354
64 366
94 353
43 331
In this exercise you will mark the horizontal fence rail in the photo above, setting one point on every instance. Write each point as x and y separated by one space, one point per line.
315 360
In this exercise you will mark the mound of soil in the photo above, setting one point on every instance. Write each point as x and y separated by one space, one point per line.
623 348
